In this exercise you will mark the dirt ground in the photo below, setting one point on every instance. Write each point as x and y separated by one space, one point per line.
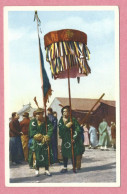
97 167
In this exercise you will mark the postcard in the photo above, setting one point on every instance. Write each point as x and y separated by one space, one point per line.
62 96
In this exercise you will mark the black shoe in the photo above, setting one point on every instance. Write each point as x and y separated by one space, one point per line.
18 162
75 171
64 170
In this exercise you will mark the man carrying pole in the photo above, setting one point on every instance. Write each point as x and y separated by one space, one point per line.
66 126
41 142
46 92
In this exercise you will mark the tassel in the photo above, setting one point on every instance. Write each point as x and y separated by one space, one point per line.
65 48
88 53
78 80
76 48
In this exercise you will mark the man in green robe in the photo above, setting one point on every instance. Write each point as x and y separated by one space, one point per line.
31 150
65 126
40 143
103 135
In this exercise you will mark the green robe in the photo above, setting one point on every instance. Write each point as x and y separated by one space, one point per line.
103 134
41 150
65 135
31 133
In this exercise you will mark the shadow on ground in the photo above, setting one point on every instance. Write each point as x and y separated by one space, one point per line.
43 177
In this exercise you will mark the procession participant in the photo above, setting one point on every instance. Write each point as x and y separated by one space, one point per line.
65 126
41 141
103 135
113 133
24 124
93 136
16 151
54 135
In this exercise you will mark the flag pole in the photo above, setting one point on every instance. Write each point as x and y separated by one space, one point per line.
72 146
44 102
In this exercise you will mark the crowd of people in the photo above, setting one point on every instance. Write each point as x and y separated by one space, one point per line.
35 140
103 137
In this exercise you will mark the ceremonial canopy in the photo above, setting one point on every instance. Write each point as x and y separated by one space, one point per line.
67 49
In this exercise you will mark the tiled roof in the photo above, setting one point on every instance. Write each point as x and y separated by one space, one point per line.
84 103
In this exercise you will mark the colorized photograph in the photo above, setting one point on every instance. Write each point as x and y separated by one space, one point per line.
62 122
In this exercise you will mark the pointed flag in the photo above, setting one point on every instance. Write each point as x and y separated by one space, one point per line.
46 87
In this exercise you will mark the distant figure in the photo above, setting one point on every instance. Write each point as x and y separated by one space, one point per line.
54 136
86 136
55 114
109 133
16 151
24 124
59 141
113 133
34 114
103 135
93 136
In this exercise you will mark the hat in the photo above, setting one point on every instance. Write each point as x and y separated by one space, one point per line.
50 109
39 110
25 114
65 107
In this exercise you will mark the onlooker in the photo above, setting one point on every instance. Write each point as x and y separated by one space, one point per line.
34 114
55 114
109 133
59 141
86 135
93 136
79 157
113 133
24 124
16 151
54 135
103 135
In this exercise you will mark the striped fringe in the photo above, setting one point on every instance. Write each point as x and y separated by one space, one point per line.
61 55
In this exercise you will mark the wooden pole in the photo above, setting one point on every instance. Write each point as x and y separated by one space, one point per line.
36 17
88 114
72 147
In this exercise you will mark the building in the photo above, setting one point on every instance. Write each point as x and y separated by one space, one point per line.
81 106
26 108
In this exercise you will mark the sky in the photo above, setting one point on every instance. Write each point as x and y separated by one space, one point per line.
24 81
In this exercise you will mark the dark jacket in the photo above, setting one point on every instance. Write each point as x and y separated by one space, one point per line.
14 128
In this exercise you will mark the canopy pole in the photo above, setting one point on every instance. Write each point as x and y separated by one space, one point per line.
72 147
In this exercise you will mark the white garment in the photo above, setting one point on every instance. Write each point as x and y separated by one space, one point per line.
93 136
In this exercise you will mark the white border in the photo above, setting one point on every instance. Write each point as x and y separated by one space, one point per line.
6 92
